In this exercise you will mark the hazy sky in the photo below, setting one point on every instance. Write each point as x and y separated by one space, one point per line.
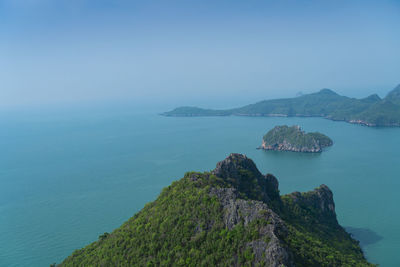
209 53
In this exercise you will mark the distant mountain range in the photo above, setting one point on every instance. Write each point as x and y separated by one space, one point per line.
370 111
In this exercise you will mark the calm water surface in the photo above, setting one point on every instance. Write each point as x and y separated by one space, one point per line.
64 180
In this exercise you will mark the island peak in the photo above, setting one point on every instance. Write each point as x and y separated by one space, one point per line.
327 91
213 218
394 95
241 173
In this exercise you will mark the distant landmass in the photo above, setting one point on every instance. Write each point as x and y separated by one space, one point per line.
370 111
231 216
285 138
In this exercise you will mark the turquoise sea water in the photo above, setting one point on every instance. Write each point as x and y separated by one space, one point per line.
64 180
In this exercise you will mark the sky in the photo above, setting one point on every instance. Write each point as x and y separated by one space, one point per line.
206 53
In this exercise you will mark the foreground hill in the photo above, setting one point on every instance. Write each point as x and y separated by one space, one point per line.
370 111
232 216
285 138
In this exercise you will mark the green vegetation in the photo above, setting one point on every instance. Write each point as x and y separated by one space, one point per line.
294 139
315 237
186 226
322 139
324 249
183 227
371 111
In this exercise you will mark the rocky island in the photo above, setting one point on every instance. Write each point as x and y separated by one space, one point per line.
285 138
231 216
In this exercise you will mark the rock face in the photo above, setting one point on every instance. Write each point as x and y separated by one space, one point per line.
232 216
239 170
285 138
242 174
320 201
236 211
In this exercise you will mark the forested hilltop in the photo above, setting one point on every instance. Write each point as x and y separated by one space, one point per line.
370 111
231 216
285 138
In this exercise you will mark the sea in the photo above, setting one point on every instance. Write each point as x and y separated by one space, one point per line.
68 177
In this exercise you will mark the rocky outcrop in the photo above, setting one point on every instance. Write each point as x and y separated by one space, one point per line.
241 172
313 208
237 170
232 167
285 138
286 146
318 203
232 216
268 248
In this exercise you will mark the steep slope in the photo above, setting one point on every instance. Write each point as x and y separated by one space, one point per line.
370 111
394 95
232 216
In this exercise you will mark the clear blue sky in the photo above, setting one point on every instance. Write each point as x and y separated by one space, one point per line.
208 53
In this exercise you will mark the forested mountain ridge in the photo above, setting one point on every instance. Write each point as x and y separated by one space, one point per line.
370 111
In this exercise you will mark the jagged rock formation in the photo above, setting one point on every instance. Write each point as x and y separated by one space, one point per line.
242 174
285 138
268 247
232 216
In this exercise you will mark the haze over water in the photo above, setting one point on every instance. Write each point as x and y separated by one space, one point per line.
67 179
216 54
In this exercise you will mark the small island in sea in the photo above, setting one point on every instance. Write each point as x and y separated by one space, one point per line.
285 138
231 216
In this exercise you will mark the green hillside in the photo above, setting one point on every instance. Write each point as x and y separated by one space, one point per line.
232 216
